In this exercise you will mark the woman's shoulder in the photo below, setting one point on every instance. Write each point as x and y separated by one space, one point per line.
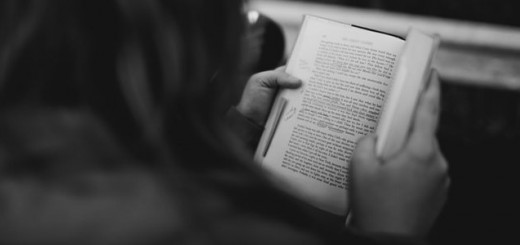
64 176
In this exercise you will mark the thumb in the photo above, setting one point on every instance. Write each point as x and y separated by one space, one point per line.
426 116
276 78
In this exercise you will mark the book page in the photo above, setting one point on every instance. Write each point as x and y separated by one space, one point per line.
346 73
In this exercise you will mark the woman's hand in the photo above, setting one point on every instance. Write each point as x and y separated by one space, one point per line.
260 91
405 194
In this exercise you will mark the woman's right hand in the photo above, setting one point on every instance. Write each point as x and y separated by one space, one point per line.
260 91
405 194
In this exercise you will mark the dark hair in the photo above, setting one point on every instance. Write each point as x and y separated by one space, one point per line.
138 65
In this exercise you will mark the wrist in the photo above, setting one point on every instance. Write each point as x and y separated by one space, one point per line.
246 130
390 225
386 237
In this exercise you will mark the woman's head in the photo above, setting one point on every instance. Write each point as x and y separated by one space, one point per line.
147 68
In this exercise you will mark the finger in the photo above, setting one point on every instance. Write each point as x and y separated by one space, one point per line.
277 78
365 152
281 68
288 81
426 115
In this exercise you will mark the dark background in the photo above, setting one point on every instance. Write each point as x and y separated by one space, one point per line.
503 12
479 134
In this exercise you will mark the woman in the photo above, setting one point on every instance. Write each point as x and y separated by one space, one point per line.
111 132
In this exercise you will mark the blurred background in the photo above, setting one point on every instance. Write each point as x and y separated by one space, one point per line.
492 11
479 65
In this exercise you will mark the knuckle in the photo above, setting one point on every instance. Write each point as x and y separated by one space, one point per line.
439 168
443 165
441 173
423 153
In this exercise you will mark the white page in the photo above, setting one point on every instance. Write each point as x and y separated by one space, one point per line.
346 73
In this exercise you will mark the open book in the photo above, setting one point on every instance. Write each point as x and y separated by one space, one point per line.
356 82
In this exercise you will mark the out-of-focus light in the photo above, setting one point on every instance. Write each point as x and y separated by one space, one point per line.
252 16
